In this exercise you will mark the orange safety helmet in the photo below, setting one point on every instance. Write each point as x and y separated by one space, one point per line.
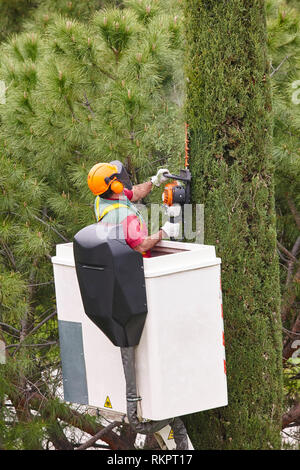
104 176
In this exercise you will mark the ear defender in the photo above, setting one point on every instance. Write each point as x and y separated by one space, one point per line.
116 186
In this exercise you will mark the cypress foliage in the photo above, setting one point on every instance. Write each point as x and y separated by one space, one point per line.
230 120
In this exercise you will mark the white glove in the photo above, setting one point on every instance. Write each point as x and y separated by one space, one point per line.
171 230
159 177
173 211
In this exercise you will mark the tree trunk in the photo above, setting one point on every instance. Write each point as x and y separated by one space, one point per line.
228 110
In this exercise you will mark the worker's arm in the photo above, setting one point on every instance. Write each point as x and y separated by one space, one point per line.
149 242
139 191
168 230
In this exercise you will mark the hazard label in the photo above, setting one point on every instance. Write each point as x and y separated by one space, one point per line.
107 403
171 434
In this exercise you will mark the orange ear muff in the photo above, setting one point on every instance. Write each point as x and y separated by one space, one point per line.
116 186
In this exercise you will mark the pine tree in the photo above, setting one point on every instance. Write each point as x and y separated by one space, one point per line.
230 121
283 43
12 15
76 93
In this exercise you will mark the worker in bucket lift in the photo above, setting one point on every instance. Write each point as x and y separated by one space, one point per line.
111 185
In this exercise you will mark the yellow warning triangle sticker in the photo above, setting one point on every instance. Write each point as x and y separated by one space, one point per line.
107 403
171 434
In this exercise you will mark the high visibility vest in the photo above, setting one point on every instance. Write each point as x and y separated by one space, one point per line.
115 206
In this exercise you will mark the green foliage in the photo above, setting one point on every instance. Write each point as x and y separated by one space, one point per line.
77 92
12 15
13 297
99 80
19 15
284 46
116 28
291 378
284 49
230 122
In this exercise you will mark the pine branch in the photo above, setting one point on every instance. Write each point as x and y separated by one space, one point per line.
88 105
58 438
19 345
288 351
290 332
288 253
289 302
41 284
9 254
294 211
291 262
78 420
279 66
42 323
34 345
98 435
9 327
292 416
34 386
96 446
71 109
51 228
25 319
104 72
46 224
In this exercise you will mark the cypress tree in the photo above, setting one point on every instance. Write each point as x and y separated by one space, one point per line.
230 120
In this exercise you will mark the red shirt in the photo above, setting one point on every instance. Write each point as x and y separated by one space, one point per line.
135 229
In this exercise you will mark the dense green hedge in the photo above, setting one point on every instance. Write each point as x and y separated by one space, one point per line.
230 121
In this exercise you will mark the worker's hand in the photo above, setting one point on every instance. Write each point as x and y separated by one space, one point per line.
173 211
171 230
159 177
